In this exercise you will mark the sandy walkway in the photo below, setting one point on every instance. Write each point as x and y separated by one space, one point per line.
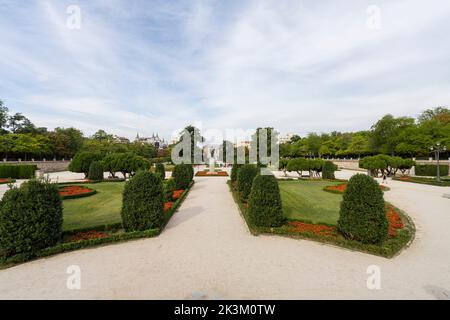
207 252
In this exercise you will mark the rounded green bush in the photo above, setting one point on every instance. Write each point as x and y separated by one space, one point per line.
245 177
182 175
265 208
160 170
362 215
31 218
95 171
328 169
143 202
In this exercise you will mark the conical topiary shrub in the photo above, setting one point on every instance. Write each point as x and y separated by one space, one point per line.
245 177
362 215
143 202
95 171
265 208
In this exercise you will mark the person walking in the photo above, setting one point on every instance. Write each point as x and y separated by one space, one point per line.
384 179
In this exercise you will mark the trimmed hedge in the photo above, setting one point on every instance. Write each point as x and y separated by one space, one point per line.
17 171
183 175
234 172
95 171
31 218
169 187
362 215
143 202
245 177
328 169
265 208
431 170
160 170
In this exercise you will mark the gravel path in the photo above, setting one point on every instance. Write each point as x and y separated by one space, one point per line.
206 252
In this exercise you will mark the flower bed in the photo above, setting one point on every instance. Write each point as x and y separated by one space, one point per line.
88 235
211 174
401 231
340 188
5 181
76 191
394 219
318 229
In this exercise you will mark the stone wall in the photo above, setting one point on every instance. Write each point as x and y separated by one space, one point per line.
353 164
46 166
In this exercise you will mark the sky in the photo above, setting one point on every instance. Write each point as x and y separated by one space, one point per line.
156 66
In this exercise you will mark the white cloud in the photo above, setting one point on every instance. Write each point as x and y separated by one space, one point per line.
300 66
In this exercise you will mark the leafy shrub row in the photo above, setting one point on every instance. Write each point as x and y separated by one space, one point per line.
245 176
431 170
314 166
19 171
383 164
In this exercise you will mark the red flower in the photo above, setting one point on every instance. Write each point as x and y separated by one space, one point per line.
318 229
167 206
177 194
395 222
88 235
211 174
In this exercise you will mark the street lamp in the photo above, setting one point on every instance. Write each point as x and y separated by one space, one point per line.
437 149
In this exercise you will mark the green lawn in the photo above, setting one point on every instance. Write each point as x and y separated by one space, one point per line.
99 209
306 200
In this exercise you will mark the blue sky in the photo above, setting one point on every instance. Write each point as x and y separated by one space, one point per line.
156 66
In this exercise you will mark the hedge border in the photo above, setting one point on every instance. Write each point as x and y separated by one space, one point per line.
425 180
114 238
396 245
6 182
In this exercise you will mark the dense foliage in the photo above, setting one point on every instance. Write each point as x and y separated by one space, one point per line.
245 177
22 171
82 162
143 202
328 169
405 137
160 170
30 218
126 163
265 208
183 175
430 170
234 172
313 166
362 215
95 171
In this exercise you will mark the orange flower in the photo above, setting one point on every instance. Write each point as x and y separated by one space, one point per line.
167 206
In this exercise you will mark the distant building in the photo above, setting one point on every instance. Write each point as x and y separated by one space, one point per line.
117 139
285 139
244 143
156 141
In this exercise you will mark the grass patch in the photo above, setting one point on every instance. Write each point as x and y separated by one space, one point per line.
100 209
306 200
390 248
